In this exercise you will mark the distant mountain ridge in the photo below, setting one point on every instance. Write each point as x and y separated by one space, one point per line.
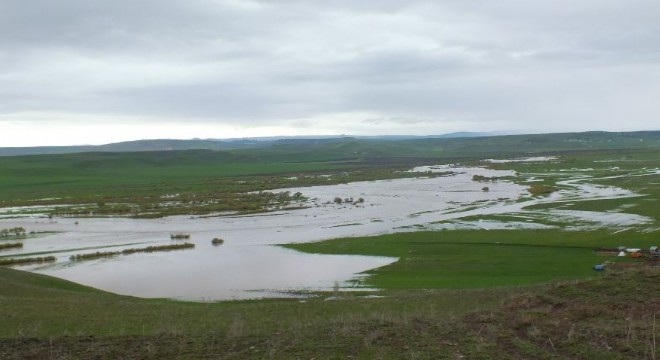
205 144
582 140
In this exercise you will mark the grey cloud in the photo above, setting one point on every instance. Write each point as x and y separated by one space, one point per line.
263 62
232 101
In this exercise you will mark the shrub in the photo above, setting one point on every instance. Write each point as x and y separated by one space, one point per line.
482 178
179 236
16 231
540 189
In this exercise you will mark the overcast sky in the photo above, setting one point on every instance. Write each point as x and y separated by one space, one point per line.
98 71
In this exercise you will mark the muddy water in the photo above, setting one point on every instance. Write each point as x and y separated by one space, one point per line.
247 265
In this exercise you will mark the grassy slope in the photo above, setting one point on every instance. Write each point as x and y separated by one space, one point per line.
40 307
611 317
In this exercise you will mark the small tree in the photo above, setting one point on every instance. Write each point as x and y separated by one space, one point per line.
338 200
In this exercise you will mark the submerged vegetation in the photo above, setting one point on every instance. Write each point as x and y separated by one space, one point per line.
26 261
15 232
481 178
95 255
10 246
148 249
540 189
179 236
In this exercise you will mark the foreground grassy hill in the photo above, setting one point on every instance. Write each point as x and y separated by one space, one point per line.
614 316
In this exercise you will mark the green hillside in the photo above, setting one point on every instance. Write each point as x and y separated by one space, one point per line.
47 318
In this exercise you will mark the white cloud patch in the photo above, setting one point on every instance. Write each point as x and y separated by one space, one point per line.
314 67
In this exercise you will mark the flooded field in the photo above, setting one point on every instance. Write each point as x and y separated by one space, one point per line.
248 265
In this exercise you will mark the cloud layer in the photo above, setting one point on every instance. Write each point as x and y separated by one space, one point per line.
248 67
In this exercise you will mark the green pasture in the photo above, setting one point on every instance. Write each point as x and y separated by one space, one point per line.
79 175
191 182
481 258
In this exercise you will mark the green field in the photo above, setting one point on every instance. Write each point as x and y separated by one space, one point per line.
479 258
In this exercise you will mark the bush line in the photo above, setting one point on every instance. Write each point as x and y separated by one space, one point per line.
179 236
147 249
11 246
25 261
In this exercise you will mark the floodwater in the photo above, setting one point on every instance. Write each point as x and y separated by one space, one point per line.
524 159
248 265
